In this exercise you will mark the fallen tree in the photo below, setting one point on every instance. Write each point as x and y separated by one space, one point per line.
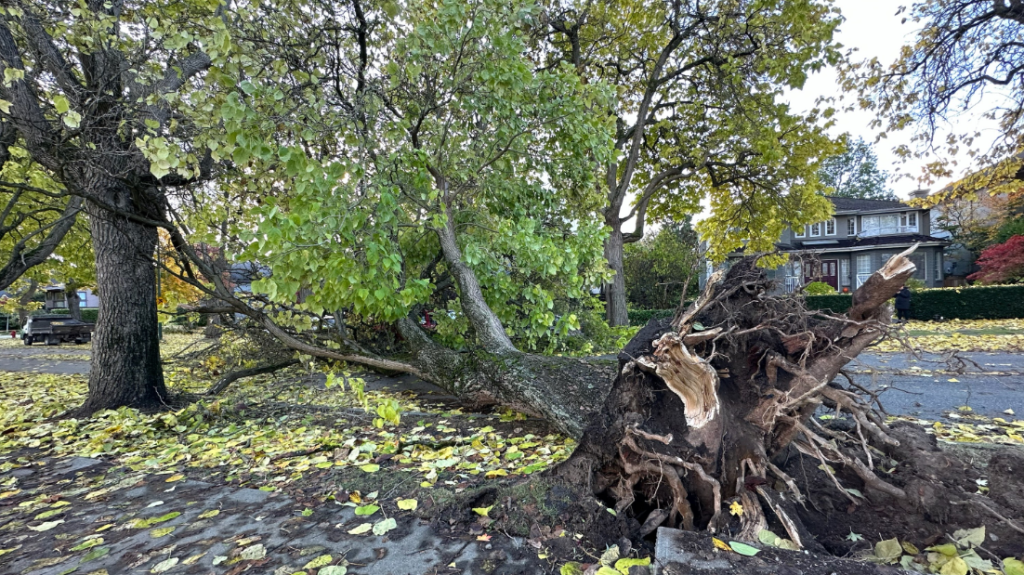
709 408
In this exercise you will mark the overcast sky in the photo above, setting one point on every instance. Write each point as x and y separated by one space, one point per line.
874 30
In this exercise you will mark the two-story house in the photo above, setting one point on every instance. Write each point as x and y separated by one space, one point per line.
846 249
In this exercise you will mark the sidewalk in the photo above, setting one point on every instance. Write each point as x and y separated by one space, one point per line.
81 514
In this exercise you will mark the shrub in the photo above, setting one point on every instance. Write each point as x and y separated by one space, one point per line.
819 288
1001 263
833 303
642 316
89 315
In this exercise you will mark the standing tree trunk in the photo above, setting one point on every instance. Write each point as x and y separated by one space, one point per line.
71 297
25 299
616 311
703 403
125 369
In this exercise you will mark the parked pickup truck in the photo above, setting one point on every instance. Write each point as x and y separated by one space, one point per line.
54 329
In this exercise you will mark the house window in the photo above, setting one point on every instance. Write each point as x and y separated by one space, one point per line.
938 266
908 222
801 232
830 227
815 230
863 269
81 296
844 272
912 219
851 226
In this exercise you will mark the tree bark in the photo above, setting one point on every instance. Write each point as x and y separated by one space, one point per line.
489 331
71 297
125 369
25 299
703 403
616 311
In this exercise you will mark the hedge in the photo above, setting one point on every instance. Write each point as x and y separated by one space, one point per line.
642 316
979 302
89 315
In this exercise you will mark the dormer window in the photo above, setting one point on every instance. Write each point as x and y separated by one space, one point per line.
830 227
851 226
815 230
908 219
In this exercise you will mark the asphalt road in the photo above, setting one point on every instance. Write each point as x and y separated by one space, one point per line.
924 387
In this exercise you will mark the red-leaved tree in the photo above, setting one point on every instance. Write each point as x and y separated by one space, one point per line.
1001 263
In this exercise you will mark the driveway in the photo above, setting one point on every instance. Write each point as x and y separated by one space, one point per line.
63 359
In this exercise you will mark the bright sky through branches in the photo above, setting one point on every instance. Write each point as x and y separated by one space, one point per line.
874 29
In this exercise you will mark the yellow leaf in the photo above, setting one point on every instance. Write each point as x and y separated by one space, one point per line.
736 509
407 504
482 511
721 544
175 477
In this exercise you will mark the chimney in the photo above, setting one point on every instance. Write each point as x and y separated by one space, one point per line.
920 194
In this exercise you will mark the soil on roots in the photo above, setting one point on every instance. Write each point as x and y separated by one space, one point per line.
941 482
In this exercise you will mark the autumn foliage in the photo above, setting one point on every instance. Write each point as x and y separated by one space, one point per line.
1001 263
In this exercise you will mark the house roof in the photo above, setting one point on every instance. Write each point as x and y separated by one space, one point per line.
862 205
874 241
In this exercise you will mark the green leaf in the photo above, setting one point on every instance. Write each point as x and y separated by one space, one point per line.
333 570
367 510
88 544
320 561
361 528
370 467
72 119
164 565
623 565
767 538
161 532
253 552
571 568
947 549
95 554
61 104
955 566
382 527
744 549
888 551
1012 566
970 537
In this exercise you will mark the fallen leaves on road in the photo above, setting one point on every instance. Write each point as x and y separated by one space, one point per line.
967 427
960 335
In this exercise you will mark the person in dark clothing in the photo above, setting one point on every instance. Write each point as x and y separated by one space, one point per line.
903 305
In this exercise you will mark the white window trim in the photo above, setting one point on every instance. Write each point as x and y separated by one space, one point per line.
833 222
851 226
802 233
816 235
938 266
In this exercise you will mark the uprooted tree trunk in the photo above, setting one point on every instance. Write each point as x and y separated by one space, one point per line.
703 403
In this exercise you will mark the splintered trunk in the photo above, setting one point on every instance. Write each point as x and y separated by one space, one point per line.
703 407
125 369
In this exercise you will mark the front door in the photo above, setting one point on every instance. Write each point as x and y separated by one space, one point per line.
830 273
826 271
